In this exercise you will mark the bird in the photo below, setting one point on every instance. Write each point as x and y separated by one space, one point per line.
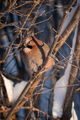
34 54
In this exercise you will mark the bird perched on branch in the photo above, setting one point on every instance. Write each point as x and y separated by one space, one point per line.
34 54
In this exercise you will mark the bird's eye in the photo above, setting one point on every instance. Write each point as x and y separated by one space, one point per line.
29 42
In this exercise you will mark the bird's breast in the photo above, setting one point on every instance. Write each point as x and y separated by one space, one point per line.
32 60
35 58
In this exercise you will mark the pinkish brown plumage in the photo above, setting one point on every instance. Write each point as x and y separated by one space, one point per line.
34 54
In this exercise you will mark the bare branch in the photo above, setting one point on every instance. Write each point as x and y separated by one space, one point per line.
72 80
7 8
58 34
67 31
17 34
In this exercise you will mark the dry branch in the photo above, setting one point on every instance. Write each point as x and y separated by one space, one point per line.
27 91
35 109
17 34
72 79
7 8
67 31
58 34
12 77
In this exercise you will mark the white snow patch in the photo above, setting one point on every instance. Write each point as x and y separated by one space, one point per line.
74 116
13 92
61 86
59 95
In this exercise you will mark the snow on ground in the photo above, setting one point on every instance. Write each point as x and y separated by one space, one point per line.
13 91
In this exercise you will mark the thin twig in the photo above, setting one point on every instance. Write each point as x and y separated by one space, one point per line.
67 31
58 34
7 8
35 109
17 34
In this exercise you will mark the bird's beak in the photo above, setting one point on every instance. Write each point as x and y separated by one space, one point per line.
25 45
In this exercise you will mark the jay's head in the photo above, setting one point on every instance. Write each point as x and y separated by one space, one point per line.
28 44
31 43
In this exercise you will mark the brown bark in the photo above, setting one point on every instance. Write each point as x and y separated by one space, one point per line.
72 79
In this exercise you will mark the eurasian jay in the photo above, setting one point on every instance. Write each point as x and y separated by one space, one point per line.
34 54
